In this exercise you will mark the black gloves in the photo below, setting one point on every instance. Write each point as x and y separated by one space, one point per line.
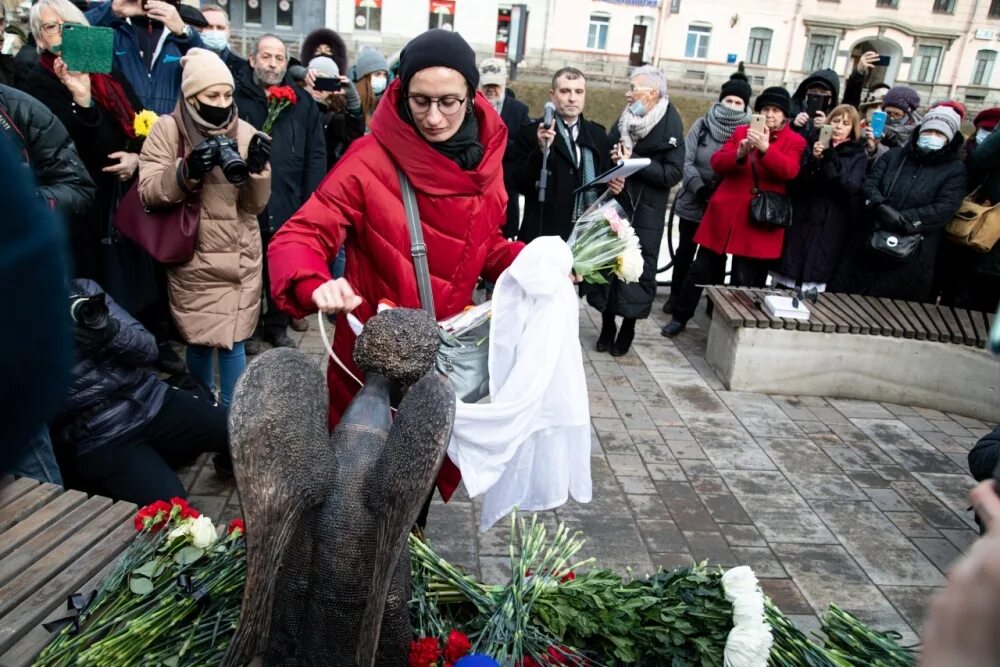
889 218
258 153
201 160
92 340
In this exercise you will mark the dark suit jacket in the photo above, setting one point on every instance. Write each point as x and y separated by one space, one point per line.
514 114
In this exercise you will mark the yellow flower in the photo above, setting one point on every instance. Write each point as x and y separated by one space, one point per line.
144 122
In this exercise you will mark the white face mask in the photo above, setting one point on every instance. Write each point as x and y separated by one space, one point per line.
378 84
931 142
216 40
981 135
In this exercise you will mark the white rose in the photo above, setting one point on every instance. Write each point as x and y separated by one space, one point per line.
203 533
631 265
183 529
748 645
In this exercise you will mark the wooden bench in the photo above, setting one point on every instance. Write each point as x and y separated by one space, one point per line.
857 347
53 543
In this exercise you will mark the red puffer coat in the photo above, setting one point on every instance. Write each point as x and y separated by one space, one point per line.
726 227
462 214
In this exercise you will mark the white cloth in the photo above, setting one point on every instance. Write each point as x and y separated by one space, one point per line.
530 446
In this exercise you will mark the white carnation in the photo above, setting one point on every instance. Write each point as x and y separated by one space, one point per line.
183 529
740 582
630 264
749 645
203 532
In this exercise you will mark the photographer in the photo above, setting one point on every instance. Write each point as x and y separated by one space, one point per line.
215 297
123 426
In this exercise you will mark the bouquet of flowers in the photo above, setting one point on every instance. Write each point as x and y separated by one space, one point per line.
278 99
603 240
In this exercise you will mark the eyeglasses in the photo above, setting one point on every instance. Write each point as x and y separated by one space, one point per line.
448 105
52 28
895 113
632 88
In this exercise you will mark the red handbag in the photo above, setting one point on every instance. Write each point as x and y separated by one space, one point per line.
167 234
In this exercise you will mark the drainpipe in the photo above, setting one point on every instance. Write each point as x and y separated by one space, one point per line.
791 40
658 33
965 47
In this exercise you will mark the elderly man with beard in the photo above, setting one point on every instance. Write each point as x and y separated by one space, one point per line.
298 157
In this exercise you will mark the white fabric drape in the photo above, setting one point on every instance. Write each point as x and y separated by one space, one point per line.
530 445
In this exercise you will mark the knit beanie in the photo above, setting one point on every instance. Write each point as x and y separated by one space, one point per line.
902 97
438 48
368 60
775 96
987 118
739 86
325 65
943 119
203 69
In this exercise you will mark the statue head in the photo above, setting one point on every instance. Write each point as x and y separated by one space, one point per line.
399 344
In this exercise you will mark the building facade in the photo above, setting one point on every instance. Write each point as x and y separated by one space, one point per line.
943 48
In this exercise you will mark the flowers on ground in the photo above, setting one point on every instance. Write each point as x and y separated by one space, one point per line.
749 642
433 652
602 241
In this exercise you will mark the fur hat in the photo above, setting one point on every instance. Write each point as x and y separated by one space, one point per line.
203 69
943 119
737 85
775 96
902 97
322 36
368 60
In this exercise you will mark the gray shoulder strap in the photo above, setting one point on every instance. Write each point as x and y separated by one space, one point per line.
417 247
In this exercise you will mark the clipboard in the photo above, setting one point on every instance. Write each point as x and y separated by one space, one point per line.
623 169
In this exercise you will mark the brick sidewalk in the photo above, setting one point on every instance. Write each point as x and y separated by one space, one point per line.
830 501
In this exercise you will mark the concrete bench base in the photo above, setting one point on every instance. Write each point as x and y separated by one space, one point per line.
952 378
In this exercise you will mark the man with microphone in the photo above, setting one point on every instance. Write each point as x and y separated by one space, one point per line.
570 150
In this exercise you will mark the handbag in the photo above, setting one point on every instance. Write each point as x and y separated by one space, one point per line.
975 225
167 234
890 244
464 359
771 210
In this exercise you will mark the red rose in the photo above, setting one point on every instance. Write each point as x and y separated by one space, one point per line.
185 511
424 652
457 646
236 524
153 516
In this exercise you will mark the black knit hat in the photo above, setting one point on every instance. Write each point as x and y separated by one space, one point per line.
438 48
737 85
775 96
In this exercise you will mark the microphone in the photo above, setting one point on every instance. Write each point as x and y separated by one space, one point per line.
549 117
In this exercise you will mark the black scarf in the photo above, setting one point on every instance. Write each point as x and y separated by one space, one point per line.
463 148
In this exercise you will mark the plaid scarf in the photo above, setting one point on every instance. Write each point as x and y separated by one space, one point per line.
585 162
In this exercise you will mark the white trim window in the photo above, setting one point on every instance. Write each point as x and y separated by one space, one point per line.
597 33
759 47
819 53
926 63
982 70
698 37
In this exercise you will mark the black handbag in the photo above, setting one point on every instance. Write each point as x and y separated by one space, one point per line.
894 245
771 210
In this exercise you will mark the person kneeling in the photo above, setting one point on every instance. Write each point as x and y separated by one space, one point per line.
123 427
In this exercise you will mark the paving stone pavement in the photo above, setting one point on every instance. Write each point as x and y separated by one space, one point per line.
856 503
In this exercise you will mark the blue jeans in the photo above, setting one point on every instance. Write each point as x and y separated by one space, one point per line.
39 462
338 265
200 361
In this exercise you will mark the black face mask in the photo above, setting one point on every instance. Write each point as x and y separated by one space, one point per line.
217 116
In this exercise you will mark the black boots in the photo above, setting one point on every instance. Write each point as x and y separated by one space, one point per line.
625 337
608 331
672 328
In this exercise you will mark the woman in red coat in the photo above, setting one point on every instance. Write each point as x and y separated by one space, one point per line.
449 142
726 228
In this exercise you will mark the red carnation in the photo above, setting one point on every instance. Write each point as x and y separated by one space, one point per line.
153 516
560 655
569 576
424 652
185 511
236 524
457 646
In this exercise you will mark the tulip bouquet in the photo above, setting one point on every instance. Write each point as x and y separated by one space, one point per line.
603 240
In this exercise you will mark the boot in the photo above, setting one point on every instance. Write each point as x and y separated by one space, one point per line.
668 305
278 338
252 346
608 331
625 336
672 328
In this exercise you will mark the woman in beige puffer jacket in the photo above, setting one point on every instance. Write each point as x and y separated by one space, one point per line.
215 297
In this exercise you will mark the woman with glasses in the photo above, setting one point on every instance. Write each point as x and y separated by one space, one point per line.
98 111
649 127
900 106
446 139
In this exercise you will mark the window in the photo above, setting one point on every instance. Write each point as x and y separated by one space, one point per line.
675 6
368 15
982 70
819 53
697 41
889 4
944 6
925 64
597 35
759 46
994 12
283 18
251 12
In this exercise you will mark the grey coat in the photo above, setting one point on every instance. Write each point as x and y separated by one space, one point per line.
699 147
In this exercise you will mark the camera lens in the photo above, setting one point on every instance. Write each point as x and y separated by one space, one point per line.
234 167
89 312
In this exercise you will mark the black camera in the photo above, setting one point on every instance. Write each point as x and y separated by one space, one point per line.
227 157
89 312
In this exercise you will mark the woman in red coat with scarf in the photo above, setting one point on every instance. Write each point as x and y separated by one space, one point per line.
449 142
726 228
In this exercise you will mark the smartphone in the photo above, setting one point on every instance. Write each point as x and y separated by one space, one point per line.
883 61
87 49
878 123
757 123
826 135
328 84
814 103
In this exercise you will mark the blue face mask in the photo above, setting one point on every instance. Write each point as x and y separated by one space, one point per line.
930 142
981 135
216 40
637 109
378 84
